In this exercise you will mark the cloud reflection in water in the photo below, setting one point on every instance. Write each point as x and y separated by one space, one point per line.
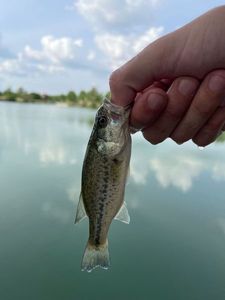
177 171
177 166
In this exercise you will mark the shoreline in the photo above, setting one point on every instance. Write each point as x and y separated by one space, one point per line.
63 104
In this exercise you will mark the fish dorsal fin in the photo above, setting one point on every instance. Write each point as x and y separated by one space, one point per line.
81 213
123 214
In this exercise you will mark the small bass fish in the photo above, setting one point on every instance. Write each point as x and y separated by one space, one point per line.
104 176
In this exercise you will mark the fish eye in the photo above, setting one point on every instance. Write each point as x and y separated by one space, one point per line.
102 121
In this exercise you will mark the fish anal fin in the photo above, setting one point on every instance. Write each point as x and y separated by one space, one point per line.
81 213
123 214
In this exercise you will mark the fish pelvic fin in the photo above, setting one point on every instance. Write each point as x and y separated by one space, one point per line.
81 213
95 256
123 214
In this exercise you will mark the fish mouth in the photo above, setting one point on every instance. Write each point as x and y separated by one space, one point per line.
117 109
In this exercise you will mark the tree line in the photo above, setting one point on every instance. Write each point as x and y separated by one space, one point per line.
91 98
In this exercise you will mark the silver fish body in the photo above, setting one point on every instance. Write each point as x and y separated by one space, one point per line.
104 176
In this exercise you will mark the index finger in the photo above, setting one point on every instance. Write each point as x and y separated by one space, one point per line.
150 65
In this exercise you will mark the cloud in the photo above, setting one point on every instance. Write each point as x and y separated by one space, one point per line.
57 212
60 54
10 66
177 171
50 68
52 154
221 224
55 50
117 14
218 171
55 55
118 48
110 46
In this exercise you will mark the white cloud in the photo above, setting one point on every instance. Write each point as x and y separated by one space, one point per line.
55 50
73 193
221 223
218 171
58 212
118 13
33 54
10 66
118 48
114 47
58 54
50 68
117 38
148 37
55 55
91 55
177 171
52 154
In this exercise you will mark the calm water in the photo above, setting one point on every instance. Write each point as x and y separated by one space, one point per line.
174 247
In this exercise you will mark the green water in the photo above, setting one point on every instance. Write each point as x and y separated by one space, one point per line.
174 247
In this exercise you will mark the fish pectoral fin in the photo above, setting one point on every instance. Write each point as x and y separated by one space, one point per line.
81 213
123 214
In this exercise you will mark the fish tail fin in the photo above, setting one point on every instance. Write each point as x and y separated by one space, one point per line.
95 256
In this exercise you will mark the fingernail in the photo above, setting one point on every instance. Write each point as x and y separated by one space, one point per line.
217 84
186 87
156 101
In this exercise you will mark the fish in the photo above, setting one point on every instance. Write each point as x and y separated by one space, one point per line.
104 174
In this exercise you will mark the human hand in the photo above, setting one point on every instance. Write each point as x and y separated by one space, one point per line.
177 83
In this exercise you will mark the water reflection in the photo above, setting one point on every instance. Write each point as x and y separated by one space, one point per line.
59 136
49 134
218 171
176 171
176 166
175 195
56 212
221 224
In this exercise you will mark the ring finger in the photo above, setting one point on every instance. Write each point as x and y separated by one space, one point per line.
208 98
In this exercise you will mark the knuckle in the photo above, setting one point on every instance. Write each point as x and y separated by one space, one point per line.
212 126
216 83
203 110
174 113
115 79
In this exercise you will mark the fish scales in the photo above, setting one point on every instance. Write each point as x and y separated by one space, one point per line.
103 179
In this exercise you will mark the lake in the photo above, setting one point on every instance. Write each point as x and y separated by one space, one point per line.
174 247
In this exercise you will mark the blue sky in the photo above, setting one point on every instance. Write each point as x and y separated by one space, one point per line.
56 46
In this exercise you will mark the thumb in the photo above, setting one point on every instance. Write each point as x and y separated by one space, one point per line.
157 61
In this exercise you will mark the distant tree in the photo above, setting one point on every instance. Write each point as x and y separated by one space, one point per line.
34 96
9 95
108 95
82 95
221 138
21 92
72 97
62 97
94 98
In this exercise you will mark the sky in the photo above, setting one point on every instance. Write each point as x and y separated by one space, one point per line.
57 46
